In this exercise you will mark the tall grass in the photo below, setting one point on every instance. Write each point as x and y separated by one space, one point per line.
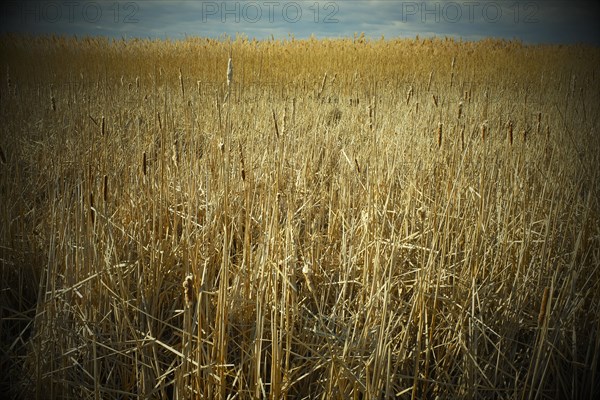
359 223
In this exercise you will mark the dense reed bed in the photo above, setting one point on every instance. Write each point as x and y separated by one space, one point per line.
332 219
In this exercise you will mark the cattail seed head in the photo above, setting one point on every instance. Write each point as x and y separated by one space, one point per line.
460 109
181 82
105 189
92 209
229 71
308 273
275 123
322 85
409 95
510 132
243 171
483 130
422 212
188 290
440 125
429 80
283 125
52 99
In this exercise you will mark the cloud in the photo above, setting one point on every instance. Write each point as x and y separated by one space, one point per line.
530 21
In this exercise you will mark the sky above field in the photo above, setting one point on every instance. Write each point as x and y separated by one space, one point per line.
541 21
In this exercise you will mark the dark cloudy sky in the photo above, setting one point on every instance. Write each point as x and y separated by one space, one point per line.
542 21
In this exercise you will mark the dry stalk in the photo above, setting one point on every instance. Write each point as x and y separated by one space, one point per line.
542 314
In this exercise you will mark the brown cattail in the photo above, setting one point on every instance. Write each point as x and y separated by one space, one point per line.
510 132
452 71
2 156
371 112
440 125
102 126
322 86
242 162
181 82
460 109
435 100
275 122
283 124
429 80
144 164
308 273
539 123
159 120
485 103
92 209
105 188
357 165
422 212
188 290
52 99
483 130
462 138
542 315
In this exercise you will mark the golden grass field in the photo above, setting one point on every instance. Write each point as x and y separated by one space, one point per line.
347 219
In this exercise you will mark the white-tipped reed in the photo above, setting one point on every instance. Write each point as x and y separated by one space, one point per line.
229 72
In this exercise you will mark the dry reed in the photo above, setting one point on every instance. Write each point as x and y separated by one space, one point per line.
351 260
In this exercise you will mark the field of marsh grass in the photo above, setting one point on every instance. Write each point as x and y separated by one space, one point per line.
346 219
